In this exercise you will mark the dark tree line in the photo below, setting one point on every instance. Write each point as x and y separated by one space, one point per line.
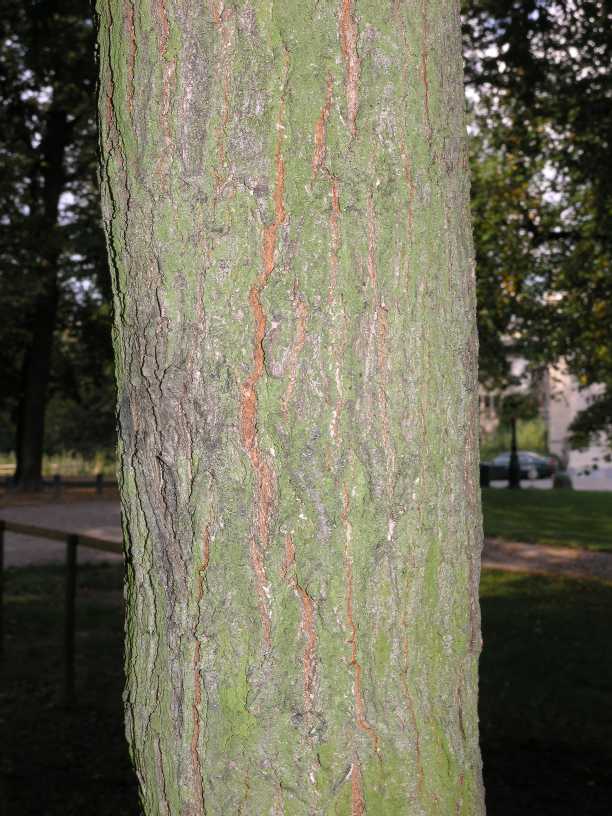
54 313
541 107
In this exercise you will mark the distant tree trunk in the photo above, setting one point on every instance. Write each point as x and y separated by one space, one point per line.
42 319
36 372
514 467
285 192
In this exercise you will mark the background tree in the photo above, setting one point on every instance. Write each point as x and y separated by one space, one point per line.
52 264
539 73
287 209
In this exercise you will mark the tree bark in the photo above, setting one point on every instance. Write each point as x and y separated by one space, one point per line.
286 201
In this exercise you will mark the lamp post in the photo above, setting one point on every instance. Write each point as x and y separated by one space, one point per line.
514 470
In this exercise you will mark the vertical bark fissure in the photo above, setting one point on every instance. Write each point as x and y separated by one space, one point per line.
348 41
197 677
308 625
357 801
301 312
221 16
425 65
131 36
360 715
264 474
320 131
168 73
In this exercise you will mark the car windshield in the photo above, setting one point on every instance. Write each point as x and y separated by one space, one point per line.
524 456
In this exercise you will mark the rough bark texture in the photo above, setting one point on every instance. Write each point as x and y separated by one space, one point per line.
286 203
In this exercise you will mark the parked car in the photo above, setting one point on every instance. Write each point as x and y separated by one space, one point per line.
532 466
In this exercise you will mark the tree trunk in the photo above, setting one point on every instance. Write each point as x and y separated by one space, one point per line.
37 358
514 468
286 203
36 372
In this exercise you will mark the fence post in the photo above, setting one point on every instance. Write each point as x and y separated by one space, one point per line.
2 528
72 543
99 483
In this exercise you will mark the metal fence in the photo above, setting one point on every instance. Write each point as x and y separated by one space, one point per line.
73 541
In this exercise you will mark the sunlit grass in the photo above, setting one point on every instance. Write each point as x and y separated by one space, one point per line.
68 464
568 518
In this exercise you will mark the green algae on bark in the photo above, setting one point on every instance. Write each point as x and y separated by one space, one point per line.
285 197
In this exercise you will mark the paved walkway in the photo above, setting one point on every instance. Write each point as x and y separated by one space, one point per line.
102 519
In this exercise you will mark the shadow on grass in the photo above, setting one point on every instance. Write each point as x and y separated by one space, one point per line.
545 681
57 761
546 674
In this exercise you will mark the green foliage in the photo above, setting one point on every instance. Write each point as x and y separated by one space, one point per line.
531 435
518 405
538 74
595 418
51 242
70 463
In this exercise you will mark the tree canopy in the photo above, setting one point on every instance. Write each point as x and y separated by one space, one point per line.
538 78
539 84
52 256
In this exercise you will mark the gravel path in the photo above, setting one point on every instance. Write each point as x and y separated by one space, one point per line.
539 559
102 519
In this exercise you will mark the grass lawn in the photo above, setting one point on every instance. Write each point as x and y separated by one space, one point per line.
55 761
545 684
567 518
546 675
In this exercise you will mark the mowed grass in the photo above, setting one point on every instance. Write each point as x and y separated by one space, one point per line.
565 518
546 678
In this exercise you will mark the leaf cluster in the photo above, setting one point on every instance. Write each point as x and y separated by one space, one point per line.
539 84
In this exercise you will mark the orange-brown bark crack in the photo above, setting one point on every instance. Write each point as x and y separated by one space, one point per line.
168 73
334 228
411 190
348 44
357 798
197 679
360 717
248 399
320 131
309 659
381 320
424 66
129 22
